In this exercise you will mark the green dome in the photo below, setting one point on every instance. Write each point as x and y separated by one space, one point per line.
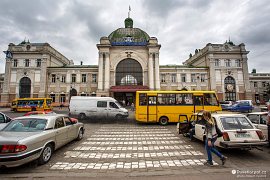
129 36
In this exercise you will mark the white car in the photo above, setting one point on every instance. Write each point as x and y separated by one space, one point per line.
259 119
238 132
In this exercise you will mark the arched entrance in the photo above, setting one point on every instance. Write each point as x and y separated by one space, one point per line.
129 72
230 91
128 79
25 87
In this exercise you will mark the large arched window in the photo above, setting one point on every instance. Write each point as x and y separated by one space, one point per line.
25 87
230 91
129 72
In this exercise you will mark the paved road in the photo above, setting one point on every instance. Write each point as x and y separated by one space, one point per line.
121 150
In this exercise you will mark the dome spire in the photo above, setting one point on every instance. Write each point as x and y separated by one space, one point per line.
129 9
129 21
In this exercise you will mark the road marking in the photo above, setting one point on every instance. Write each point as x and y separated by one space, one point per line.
131 142
130 139
79 154
130 165
131 148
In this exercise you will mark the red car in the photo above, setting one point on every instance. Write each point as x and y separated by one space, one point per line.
38 112
46 112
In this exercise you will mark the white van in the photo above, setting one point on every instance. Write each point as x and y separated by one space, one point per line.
96 107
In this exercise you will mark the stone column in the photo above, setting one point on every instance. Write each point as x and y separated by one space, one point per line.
100 72
107 72
5 94
246 77
43 78
150 71
157 83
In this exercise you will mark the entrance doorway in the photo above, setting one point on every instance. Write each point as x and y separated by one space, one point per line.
125 98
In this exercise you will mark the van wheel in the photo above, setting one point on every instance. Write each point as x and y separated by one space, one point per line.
163 121
118 117
82 116
46 154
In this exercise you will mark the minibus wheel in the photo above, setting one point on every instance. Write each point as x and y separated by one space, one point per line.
163 121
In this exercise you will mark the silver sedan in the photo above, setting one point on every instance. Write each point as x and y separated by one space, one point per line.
30 138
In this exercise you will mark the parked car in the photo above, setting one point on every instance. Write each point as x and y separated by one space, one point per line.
226 104
38 112
4 119
241 106
238 132
36 137
259 119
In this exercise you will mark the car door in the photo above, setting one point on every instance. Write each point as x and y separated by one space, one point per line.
72 129
113 110
199 129
254 118
61 132
262 125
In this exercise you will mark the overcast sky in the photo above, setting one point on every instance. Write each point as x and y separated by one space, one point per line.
74 27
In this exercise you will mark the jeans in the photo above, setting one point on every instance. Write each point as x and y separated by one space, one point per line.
211 149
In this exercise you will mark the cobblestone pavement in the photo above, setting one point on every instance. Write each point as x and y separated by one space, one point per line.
130 150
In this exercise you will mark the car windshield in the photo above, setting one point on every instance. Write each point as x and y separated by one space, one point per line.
233 123
26 125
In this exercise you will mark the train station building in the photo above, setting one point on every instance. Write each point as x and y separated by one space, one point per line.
128 61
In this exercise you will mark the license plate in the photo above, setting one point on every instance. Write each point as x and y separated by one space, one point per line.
242 135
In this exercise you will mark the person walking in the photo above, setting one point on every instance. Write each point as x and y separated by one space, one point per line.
211 137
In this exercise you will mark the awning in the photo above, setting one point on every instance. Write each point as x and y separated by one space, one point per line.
129 88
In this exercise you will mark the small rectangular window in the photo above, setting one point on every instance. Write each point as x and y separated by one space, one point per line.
183 77
38 62
193 77
94 78
173 78
255 84
237 63
163 78
53 78
63 79
102 104
83 78
217 62
15 63
53 97
73 78
228 63
27 62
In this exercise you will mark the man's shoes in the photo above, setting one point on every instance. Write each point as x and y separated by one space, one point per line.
208 163
223 159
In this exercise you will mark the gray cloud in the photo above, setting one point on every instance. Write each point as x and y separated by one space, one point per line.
74 27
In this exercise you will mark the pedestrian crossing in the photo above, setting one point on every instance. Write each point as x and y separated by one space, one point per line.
131 147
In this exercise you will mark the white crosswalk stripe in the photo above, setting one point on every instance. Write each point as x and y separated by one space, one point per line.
118 147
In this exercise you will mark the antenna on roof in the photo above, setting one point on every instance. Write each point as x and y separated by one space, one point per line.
129 9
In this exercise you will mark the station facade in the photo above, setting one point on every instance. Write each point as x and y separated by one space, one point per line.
128 61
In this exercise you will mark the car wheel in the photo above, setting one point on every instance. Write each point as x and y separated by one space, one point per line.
46 154
163 121
82 116
80 135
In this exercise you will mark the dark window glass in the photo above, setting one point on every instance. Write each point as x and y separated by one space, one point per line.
129 72
142 99
59 122
102 104
38 62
